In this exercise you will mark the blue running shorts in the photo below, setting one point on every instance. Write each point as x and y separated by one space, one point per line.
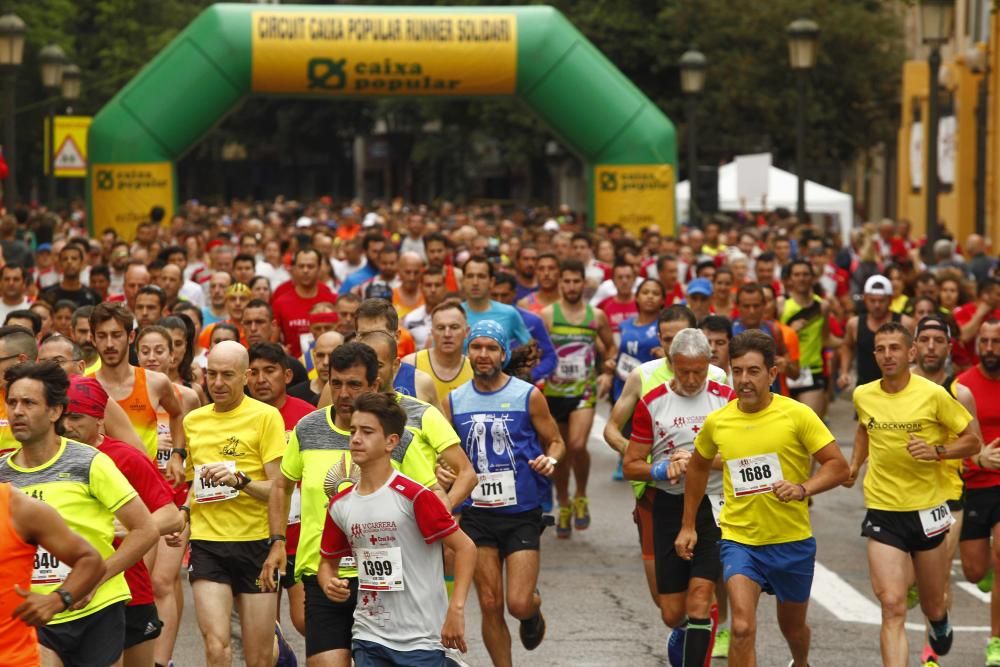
784 570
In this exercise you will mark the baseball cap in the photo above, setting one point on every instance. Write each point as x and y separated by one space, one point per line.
878 286
304 222
551 225
934 323
44 247
700 286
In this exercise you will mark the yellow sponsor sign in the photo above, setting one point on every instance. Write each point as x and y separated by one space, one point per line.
122 195
634 196
384 53
69 156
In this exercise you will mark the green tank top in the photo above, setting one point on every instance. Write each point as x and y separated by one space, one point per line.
575 347
811 335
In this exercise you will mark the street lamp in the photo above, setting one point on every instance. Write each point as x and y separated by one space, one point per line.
53 61
692 65
935 29
12 31
71 83
802 37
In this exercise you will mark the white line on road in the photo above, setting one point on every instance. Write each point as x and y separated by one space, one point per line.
843 601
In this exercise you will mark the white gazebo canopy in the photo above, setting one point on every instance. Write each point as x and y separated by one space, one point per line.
782 191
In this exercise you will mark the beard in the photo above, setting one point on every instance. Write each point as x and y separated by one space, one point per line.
492 374
991 362
939 364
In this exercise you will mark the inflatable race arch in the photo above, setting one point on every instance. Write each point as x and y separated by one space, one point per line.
232 51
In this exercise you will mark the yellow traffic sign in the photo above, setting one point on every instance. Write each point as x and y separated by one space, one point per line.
70 155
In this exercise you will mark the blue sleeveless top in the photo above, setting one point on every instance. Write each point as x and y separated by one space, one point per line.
498 437
637 345
405 380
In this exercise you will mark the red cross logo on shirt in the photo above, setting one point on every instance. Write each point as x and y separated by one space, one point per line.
695 428
373 540
670 444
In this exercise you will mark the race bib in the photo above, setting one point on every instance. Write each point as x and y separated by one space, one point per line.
347 562
210 492
804 381
936 520
626 364
162 457
295 510
716 500
574 367
380 569
495 489
48 569
754 474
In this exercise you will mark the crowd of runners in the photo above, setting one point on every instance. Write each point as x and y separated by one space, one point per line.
375 410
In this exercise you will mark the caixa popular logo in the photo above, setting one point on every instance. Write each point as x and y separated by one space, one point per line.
385 76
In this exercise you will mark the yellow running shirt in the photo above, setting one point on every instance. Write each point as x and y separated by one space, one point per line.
443 387
897 482
86 488
245 438
428 434
760 448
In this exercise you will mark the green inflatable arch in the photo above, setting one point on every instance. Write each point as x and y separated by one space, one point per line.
232 51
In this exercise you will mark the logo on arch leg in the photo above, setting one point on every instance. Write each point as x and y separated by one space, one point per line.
609 181
326 74
105 180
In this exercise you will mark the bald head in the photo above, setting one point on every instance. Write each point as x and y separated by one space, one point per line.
324 347
226 374
230 354
974 245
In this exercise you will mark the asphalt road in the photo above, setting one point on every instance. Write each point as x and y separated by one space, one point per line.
599 611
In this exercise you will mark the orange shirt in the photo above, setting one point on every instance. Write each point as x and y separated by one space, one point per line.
18 641
140 413
406 343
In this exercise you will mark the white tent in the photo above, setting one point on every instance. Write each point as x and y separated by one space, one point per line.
782 191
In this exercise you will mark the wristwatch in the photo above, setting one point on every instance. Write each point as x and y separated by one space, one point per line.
242 479
941 451
183 453
65 596
275 538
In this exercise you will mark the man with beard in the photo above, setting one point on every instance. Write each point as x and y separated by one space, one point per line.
911 426
373 243
572 391
542 360
767 543
525 262
514 444
547 270
444 362
932 345
149 303
79 326
70 287
139 392
859 334
259 326
807 313
982 476
439 256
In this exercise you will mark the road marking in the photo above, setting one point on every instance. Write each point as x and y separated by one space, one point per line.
843 601
974 591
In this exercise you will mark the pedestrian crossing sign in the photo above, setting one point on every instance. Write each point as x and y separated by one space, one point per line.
69 159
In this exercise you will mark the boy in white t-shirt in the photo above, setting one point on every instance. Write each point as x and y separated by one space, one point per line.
390 524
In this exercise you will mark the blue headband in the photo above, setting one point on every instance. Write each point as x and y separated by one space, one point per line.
490 329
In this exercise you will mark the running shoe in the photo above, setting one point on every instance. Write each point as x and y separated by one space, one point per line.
286 656
993 652
721 648
940 645
928 657
912 597
532 631
986 583
791 663
930 663
564 526
618 475
454 658
581 513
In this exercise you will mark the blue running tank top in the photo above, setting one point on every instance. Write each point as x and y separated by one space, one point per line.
500 440
405 381
636 348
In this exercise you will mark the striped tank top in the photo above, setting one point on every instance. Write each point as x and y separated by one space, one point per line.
575 346
141 414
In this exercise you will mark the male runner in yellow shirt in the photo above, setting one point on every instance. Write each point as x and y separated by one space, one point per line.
905 425
766 443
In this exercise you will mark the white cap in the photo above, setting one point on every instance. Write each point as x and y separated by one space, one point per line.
878 286
304 222
371 219
551 225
